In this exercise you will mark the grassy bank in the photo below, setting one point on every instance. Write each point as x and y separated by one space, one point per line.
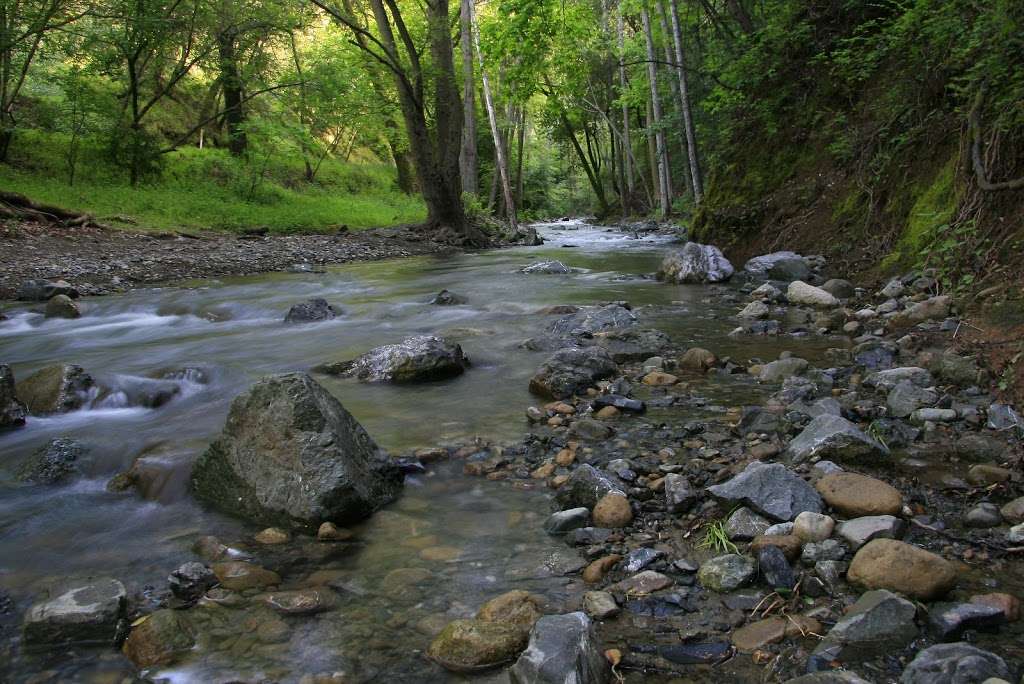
208 189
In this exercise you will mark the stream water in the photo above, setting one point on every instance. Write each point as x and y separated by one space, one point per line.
489 534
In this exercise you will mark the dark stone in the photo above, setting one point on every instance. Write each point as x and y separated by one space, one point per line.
619 402
591 320
311 311
40 290
625 345
12 410
52 462
875 355
789 269
571 371
696 654
190 581
417 359
55 389
770 489
775 569
562 648
89 613
949 621
956 663
567 520
446 298
588 536
585 487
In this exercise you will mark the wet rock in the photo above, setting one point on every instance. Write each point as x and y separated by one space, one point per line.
39 290
855 495
619 402
474 645
754 310
679 496
646 582
590 320
592 430
89 613
874 354
949 621
777 371
697 359
62 306
1002 417
519 608
813 527
803 294
817 552
272 536
1013 512
565 521
774 568
600 605
588 536
585 487
596 571
930 309
760 265
613 510
52 462
571 371
695 263
983 515
836 439
859 531
896 566
880 622
12 410
311 311
291 455
301 601
886 380
447 298
956 663
240 575
770 489
190 581
727 573
416 359
905 399
840 289
744 524
630 345
789 269
135 391
789 544
696 654
638 559
55 389
159 640
547 267
757 635
562 649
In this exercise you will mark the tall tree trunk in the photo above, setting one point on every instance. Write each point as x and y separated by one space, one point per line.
674 87
652 158
664 180
231 84
468 155
696 179
519 164
499 145
627 144
740 14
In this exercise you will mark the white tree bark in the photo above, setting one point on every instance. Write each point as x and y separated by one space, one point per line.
684 102
468 156
664 180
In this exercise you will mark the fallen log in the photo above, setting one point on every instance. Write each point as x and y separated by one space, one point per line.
17 206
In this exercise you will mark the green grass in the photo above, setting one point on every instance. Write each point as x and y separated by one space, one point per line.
208 189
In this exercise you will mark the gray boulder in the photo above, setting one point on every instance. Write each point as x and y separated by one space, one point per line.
40 290
905 398
88 613
55 389
589 320
760 265
291 455
563 649
52 462
585 487
879 622
316 309
777 371
789 269
625 345
840 289
770 489
571 371
956 663
836 439
12 410
888 379
804 294
417 359
695 263
679 496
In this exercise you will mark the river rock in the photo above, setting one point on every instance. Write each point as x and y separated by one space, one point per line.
774 568
62 306
613 510
563 649
591 319
190 581
803 294
240 575
744 524
856 495
813 527
88 613
840 289
585 487
600 605
679 496
695 263
39 290
416 359
983 515
697 359
859 531
949 621
770 489
519 608
547 267
159 640
625 345
896 566
880 622
777 371
1013 512
311 311
475 645
760 265
887 379
757 635
957 663
52 462
291 455
55 389
448 298
754 309
571 371
727 573
12 410
906 398
789 269
567 520
930 309
641 584
829 677
301 601
836 439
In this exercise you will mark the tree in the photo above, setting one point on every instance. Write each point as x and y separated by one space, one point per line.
693 157
468 156
661 150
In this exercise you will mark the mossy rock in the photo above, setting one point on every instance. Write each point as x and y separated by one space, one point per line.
474 645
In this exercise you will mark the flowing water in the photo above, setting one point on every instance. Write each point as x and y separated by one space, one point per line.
485 537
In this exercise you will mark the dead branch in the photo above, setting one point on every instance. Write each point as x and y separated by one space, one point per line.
974 120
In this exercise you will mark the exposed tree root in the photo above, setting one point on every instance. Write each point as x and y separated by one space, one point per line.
17 206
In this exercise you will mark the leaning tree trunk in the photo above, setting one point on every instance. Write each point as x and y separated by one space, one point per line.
696 179
468 155
664 181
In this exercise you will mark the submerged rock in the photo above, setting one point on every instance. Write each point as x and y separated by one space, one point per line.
159 640
52 462
55 389
626 345
416 359
571 371
311 311
90 613
448 298
290 454
695 263
585 487
12 410
562 649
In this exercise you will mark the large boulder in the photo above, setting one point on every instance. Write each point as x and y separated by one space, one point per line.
563 649
316 309
905 568
52 462
417 359
630 344
803 294
834 438
770 489
760 265
55 389
571 371
291 455
12 410
695 263
957 663
475 645
88 613
592 319
40 290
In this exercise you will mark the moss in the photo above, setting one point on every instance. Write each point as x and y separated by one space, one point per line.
933 208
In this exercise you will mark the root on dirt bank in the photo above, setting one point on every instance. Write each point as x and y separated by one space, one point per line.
17 206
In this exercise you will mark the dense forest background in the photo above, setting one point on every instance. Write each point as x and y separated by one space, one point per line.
883 134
